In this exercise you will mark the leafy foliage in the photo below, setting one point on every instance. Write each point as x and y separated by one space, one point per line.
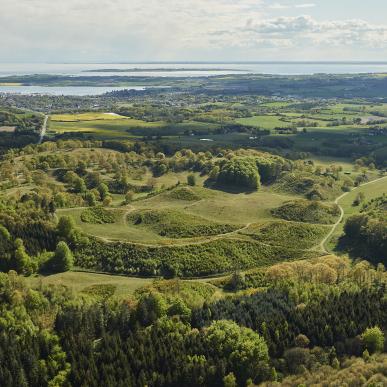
98 215
308 211
176 224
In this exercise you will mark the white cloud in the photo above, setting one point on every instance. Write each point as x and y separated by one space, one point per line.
305 29
307 5
280 6
111 30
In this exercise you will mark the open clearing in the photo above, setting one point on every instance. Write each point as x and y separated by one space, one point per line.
213 206
78 281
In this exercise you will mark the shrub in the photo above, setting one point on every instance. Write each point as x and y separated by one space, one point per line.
373 339
98 215
191 180
308 211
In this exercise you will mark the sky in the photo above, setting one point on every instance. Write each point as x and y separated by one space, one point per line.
82 31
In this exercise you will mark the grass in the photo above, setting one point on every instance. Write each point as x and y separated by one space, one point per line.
117 230
264 122
110 127
219 206
184 212
83 281
177 224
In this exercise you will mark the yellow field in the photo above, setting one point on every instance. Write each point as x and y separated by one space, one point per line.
91 116
10 84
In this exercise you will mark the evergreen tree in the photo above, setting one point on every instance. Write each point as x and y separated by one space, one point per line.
63 259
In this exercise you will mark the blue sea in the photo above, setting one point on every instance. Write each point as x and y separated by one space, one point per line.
171 70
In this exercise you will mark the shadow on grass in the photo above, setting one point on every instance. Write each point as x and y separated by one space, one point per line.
232 189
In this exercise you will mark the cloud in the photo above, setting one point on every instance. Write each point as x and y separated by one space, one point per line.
111 30
279 6
303 29
307 5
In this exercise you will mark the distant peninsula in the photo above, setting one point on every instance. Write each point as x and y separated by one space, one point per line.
142 70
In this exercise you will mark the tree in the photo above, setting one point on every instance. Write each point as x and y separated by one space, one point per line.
66 226
129 196
373 339
63 259
107 201
22 259
103 190
302 341
151 307
359 199
240 173
179 308
245 350
79 185
90 199
70 177
191 180
214 173
229 380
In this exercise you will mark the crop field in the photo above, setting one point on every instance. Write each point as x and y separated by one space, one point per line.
105 128
91 116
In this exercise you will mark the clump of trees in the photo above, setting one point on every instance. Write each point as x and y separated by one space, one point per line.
240 173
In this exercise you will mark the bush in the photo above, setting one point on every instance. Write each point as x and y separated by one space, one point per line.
373 339
98 215
308 211
191 180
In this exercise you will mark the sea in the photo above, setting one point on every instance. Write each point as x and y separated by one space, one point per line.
177 69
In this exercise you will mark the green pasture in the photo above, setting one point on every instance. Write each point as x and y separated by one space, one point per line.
264 122
79 281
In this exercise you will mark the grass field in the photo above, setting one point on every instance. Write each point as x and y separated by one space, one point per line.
109 127
210 208
264 122
79 281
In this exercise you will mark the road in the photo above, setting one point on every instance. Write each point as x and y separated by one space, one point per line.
43 129
338 199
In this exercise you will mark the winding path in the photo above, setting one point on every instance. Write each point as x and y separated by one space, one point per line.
322 245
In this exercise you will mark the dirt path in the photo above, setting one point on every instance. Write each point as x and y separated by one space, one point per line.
322 245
